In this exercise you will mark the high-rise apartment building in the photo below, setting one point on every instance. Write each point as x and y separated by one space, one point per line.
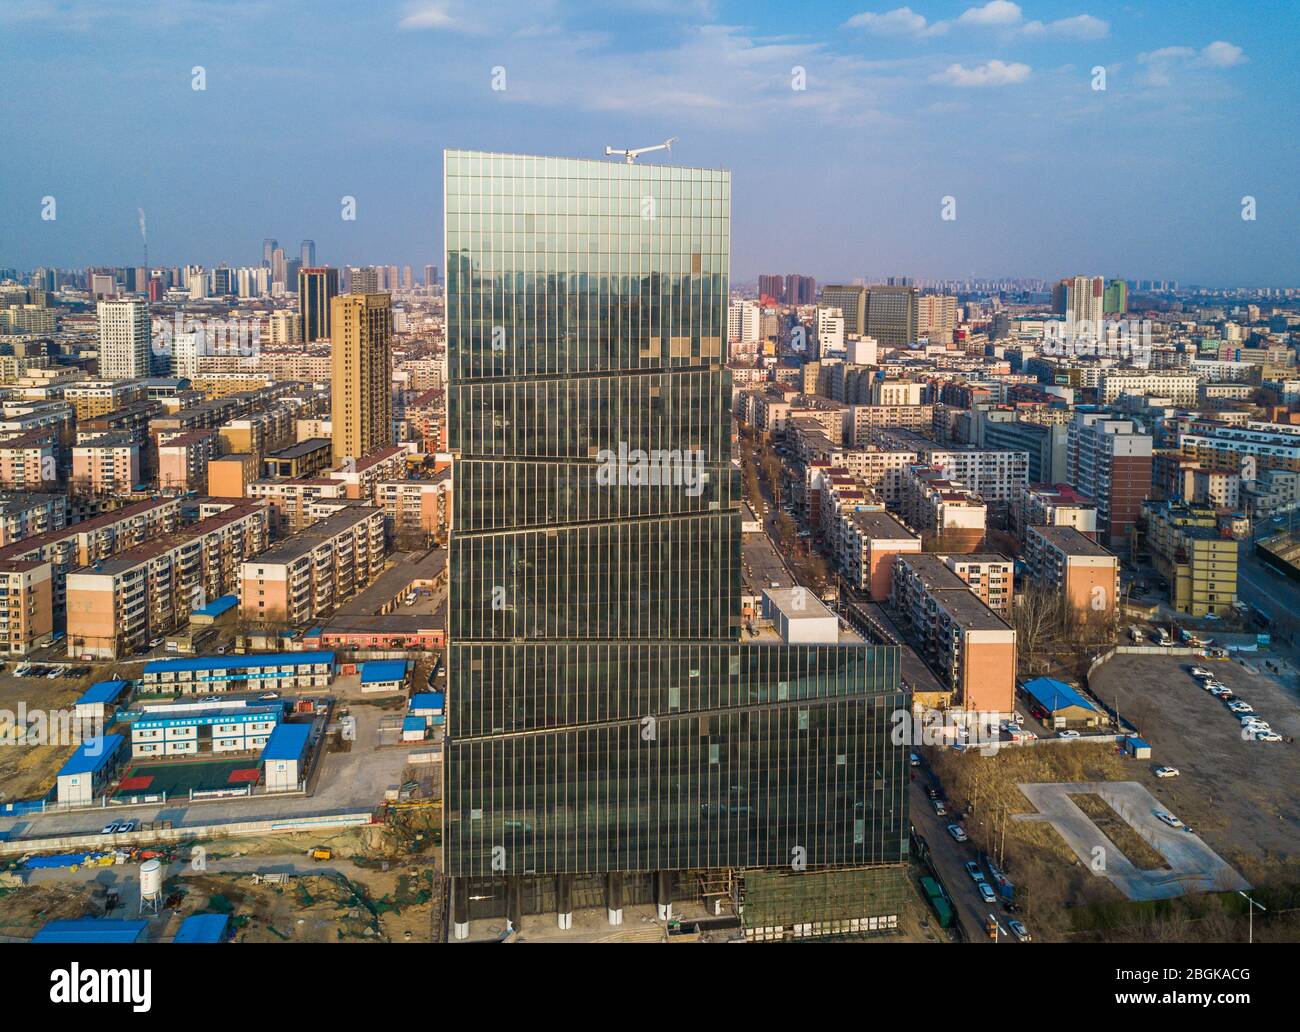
1081 299
361 392
123 339
609 726
936 317
892 313
363 280
852 303
316 289
1115 298
1109 460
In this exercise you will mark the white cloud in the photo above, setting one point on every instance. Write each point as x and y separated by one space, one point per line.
428 15
1001 16
1161 64
1081 26
902 21
995 13
1166 54
1223 55
991 73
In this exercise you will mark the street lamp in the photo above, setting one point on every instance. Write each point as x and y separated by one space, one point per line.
1251 911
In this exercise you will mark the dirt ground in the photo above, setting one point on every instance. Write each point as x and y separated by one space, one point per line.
379 906
1061 898
27 771
1240 796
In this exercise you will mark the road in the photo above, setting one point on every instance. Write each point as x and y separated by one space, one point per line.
1258 585
949 856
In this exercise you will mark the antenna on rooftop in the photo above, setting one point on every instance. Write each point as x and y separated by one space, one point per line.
631 154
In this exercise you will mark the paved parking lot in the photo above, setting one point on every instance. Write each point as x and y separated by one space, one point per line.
1239 795
1193 866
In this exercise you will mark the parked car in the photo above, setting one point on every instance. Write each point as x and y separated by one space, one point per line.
1168 818
986 892
1199 673
156 642
1067 734
126 826
1267 736
1020 931
915 760
931 792
109 829
1167 772
939 809
957 832
973 869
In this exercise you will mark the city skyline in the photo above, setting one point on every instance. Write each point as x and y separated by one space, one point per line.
897 109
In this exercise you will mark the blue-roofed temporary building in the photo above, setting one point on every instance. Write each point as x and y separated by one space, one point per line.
284 670
287 742
284 759
248 662
1138 748
88 769
383 675
414 729
1062 703
96 701
215 609
428 706
91 930
203 928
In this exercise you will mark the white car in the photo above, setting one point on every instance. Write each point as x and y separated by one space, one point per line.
1199 673
1067 734
1019 931
1267 736
1241 706
986 892
973 869
957 832
109 829
1169 819
1167 772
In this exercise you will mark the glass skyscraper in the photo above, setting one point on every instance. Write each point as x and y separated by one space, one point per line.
604 714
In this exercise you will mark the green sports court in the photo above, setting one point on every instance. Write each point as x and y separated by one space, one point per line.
180 778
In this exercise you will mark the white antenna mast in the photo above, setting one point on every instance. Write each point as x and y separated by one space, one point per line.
632 154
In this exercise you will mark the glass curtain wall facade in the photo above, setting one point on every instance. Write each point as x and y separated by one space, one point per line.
604 713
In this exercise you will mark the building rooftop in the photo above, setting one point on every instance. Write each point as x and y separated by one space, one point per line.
301 448
268 659
102 692
380 670
1055 695
1071 541
203 928
880 525
92 755
91 930
287 742
309 538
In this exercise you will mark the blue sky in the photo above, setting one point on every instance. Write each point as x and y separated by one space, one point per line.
989 103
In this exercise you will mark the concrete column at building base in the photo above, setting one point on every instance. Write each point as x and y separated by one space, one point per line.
614 897
564 901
